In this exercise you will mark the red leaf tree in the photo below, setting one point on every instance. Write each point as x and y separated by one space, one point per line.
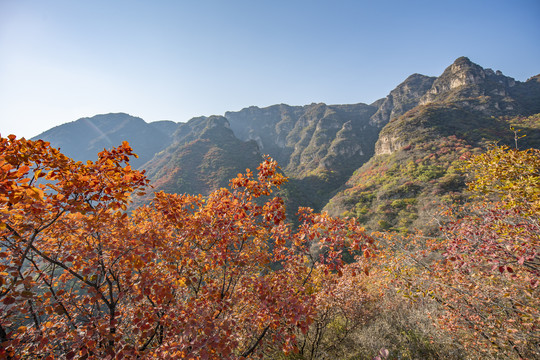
183 277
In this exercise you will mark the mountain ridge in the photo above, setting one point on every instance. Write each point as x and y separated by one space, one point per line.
82 139
327 151
414 168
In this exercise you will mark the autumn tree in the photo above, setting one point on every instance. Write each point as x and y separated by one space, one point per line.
182 277
485 269
61 224
344 304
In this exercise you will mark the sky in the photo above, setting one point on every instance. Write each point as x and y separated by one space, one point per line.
61 60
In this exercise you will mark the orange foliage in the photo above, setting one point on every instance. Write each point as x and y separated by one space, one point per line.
182 277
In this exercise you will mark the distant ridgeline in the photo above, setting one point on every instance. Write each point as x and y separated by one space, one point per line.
391 164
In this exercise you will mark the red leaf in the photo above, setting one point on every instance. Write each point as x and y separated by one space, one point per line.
8 300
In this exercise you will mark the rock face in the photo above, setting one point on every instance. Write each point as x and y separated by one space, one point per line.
269 127
388 144
305 138
317 145
84 138
461 73
403 98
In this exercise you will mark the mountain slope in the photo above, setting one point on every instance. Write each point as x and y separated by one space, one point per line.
414 171
84 138
204 156
318 146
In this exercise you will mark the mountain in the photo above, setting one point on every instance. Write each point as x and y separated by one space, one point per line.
391 164
204 155
84 138
318 146
414 169
468 85
403 98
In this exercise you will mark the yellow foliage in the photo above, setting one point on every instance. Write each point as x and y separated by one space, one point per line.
511 174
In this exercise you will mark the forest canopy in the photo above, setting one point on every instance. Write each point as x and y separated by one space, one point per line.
227 276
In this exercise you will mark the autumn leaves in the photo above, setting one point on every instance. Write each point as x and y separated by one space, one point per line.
227 277
182 277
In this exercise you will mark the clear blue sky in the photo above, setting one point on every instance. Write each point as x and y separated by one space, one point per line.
63 60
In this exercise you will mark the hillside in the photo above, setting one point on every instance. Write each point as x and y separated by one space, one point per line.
414 171
318 146
204 155
84 138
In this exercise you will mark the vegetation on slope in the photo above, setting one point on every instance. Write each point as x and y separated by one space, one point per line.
203 158
415 172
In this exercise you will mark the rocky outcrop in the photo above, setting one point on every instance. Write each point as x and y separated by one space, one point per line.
403 98
387 144
478 89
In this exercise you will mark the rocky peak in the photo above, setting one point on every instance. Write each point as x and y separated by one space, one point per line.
217 129
534 79
215 121
403 98
462 72
214 127
463 63
465 80
166 127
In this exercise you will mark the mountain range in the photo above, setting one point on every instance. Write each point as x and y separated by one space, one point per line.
391 163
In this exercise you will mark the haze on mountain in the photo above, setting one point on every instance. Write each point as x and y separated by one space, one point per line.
391 163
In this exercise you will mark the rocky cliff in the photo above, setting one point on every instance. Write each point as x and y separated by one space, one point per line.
318 146
404 97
